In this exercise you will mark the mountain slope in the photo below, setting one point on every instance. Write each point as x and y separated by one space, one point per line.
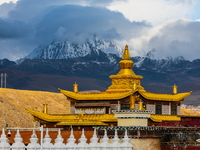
13 104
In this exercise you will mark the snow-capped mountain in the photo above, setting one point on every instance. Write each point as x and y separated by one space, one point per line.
65 49
169 63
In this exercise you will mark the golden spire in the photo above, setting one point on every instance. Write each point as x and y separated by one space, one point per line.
125 79
75 87
174 89
126 55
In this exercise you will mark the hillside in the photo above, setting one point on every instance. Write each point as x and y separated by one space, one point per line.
13 104
188 112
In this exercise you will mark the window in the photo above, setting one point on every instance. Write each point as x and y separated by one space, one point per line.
125 106
158 109
173 110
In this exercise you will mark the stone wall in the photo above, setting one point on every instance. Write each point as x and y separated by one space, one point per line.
146 144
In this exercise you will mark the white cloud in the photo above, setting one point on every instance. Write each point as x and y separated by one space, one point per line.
170 38
154 11
7 1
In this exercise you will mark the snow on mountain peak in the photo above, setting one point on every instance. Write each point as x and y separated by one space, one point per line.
151 53
65 50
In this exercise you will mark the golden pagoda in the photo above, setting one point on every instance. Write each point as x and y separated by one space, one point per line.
124 94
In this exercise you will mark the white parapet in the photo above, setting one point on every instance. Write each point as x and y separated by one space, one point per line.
105 144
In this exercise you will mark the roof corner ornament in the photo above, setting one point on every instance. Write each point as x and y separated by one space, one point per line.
45 108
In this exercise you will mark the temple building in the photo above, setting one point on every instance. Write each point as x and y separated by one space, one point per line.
125 95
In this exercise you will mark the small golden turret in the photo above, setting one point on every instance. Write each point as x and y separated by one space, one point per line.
45 108
132 102
174 89
75 87
126 64
125 78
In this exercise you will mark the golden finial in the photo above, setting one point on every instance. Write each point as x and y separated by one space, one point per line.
174 89
126 55
75 87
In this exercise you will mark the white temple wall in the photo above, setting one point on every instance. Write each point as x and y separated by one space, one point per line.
165 109
151 107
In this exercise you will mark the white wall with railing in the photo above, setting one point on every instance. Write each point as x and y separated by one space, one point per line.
59 143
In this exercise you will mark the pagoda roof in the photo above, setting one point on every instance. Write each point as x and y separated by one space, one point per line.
164 97
92 119
115 95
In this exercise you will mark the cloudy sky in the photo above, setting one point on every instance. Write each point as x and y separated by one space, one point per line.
172 27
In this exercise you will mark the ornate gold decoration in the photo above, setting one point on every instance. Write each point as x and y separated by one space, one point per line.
140 107
174 89
132 102
134 86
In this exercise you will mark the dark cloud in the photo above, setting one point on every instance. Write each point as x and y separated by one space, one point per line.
14 29
72 21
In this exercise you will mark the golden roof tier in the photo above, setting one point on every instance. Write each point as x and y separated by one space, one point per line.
117 95
92 119
126 79
164 97
74 119
160 118
96 96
